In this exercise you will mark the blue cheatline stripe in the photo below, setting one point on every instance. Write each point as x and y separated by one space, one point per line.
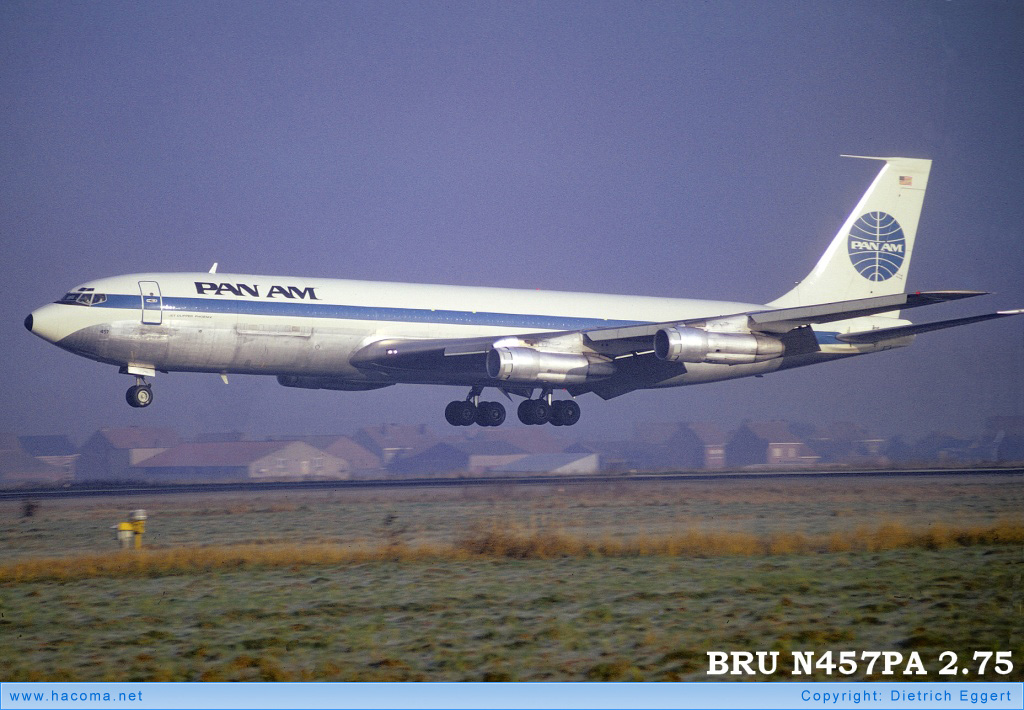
306 309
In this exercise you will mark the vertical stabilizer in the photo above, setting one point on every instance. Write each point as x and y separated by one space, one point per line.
870 256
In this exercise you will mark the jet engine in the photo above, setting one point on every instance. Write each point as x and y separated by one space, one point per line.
529 365
685 344
329 383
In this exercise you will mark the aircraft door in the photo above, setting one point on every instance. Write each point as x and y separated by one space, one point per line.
152 303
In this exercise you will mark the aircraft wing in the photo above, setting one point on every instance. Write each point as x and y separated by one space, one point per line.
874 336
462 354
783 320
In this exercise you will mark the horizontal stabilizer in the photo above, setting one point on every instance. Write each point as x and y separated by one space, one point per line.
874 336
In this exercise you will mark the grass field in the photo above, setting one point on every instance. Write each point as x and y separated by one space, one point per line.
524 583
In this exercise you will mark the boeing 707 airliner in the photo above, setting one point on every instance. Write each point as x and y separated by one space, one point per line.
359 335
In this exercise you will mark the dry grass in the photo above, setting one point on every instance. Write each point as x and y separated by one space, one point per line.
502 541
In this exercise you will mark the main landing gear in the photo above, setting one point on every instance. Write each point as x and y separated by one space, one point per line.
473 411
140 394
563 412
544 410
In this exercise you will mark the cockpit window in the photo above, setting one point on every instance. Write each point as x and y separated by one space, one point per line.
83 299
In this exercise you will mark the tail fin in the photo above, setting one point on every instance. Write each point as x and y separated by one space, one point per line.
870 256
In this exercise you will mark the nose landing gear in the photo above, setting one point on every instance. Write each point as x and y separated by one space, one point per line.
140 394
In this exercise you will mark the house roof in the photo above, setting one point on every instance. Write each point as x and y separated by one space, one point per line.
134 437
52 445
358 456
663 433
846 432
710 434
218 454
15 463
396 436
774 432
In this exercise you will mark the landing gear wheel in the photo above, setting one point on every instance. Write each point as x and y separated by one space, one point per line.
490 414
565 412
533 411
556 413
460 413
139 395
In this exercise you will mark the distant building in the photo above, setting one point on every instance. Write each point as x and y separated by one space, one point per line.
940 446
110 454
847 443
770 443
56 450
18 468
391 441
694 445
566 464
614 456
461 457
359 458
1002 440
531 439
242 461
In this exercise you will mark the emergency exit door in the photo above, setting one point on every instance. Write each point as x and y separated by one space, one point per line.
152 303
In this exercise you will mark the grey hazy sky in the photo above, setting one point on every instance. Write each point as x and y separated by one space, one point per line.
662 148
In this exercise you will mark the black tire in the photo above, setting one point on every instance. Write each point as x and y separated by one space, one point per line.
570 412
541 412
525 412
490 414
497 417
465 414
451 413
139 395
557 413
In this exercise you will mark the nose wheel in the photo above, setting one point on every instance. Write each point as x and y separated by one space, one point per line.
140 394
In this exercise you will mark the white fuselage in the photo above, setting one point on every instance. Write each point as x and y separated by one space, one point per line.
276 325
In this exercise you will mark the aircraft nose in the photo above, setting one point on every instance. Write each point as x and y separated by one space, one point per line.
49 323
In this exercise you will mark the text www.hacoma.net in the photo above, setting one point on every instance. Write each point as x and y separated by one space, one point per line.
94 696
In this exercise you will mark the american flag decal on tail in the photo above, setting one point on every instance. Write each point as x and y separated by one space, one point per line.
906 181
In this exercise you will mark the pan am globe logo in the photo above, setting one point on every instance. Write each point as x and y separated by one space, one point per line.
877 246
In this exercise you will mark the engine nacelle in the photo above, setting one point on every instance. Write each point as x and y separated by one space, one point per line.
329 383
684 344
529 365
